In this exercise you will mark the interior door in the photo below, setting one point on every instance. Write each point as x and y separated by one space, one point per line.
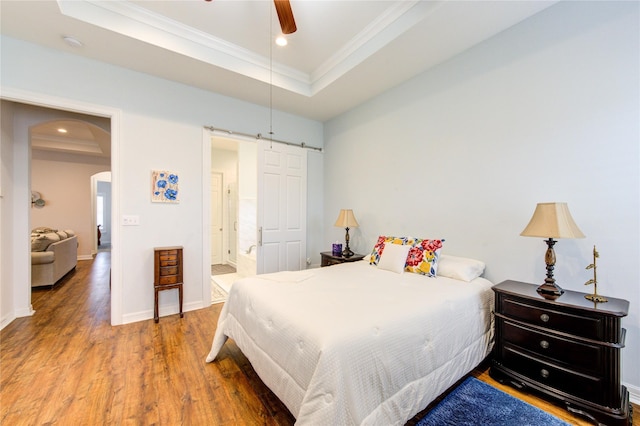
232 203
282 207
216 218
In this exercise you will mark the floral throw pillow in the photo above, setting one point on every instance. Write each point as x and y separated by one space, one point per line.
382 240
423 257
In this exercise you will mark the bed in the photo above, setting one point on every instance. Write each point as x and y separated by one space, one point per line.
355 344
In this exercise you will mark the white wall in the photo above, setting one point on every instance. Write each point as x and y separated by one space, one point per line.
160 127
545 111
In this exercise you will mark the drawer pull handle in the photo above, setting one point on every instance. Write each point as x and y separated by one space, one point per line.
544 373
544 317
544 344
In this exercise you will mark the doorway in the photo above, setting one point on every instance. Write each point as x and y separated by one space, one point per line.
233 210
67 150
27 111
101 187
216 220
271 203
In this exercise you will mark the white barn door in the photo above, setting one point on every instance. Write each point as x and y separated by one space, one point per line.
282 207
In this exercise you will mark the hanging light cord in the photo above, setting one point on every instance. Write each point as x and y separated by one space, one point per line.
271 75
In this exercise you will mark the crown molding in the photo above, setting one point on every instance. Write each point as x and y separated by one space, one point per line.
394 22
131 20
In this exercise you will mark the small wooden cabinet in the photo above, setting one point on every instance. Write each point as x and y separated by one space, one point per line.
328 259
567 349
167 275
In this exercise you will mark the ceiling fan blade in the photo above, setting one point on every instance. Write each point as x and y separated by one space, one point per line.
285 15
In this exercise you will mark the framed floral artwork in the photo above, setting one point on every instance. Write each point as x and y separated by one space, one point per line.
164 187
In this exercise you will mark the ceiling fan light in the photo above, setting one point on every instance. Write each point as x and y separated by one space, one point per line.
281 41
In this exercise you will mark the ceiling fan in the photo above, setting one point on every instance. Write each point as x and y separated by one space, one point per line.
285 16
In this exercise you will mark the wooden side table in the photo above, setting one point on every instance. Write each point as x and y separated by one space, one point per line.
567 349
167 274
329 259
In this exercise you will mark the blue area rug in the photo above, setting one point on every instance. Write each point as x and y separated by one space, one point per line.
477 403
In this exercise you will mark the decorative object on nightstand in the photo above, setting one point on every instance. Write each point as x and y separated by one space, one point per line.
594 297
567 350
346 220
328 258
167 275
551 220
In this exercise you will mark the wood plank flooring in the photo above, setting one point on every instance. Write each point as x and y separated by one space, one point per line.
67 365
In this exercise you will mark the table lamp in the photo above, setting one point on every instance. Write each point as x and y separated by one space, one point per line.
346 220
551 220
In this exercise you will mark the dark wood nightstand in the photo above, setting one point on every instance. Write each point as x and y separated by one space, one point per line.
329 259
567 349
167 274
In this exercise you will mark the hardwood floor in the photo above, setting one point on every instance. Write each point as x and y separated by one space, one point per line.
68 365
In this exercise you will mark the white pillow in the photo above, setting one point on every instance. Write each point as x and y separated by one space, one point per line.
394 257
460 268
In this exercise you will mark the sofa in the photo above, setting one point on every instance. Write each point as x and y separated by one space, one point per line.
53 255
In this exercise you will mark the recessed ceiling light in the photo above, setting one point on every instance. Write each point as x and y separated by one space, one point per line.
62 130
281 41
72 41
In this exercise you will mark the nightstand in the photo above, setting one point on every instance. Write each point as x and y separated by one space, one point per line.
167 274
329 259
567 349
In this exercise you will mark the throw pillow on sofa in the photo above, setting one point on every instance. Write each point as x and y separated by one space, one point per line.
43 230
40 242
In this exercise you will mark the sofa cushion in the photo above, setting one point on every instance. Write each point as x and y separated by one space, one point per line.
43 230
70 232
42 257
40 242
63 235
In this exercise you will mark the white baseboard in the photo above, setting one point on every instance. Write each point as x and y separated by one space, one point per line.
162 312
27 312
85 257
6 320
634 393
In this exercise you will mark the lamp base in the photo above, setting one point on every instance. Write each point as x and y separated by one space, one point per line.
550 291
347 251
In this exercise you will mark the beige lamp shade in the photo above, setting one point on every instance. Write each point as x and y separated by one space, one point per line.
552 220
346 219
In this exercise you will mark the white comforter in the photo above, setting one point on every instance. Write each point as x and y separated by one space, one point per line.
353 344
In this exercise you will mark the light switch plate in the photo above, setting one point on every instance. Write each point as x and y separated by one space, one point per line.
130 220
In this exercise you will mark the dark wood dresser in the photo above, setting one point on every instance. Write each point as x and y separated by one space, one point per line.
567 349
167 274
